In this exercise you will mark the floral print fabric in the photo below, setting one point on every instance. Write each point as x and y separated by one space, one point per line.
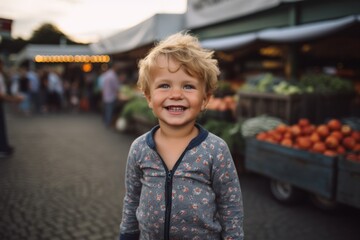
206 200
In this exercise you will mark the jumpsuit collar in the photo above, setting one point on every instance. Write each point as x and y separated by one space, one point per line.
203 133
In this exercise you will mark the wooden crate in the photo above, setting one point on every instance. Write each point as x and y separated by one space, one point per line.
348 186
290 108
312 172
320 107
285 107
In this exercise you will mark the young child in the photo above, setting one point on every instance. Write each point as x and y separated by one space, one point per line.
181 182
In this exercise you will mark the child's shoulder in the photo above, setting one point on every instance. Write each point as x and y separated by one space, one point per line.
214 137
216 140
140 140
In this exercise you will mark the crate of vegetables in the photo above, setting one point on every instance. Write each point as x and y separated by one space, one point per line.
220 108
348 184
306 170
302 154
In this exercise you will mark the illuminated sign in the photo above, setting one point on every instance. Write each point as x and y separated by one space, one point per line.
72 58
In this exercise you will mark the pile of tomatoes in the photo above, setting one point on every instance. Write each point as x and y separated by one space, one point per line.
331 138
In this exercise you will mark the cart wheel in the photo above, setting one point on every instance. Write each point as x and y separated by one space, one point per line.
323 203
285 192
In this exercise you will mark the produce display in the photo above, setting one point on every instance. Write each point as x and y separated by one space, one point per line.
308 83
223 99
272 84
226 103
331 138
136 116
255 125
323 83
320 161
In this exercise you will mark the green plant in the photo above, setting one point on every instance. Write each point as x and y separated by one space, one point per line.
323 83
138 106
224 89
127 92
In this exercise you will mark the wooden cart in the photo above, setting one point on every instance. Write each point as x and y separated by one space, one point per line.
294 173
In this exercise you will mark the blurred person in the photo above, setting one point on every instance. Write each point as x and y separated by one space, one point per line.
56 91
14 80
5 149
73 79
34 89
88 93
24 91
100 78
44 90
74 96
98 86
181 181
110 90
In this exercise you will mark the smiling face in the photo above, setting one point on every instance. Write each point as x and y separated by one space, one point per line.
175 97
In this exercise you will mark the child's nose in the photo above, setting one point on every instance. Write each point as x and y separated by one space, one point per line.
176 93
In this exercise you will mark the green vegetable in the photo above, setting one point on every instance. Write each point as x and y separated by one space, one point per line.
138 106
253 126
323 83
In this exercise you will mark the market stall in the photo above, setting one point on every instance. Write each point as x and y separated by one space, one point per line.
321 161
143 34
286 61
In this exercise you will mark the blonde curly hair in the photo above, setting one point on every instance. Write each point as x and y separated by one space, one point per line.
187 51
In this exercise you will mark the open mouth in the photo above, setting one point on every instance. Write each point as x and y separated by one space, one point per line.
175 108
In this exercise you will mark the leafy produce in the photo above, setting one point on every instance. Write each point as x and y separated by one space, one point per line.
127 92
253 126
137 106
224 89
323 83
308 83
273 84
287 88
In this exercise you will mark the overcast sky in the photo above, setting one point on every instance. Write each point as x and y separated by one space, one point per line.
83 20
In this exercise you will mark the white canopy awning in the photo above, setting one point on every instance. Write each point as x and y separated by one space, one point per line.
202 13
291 34
151 30
306 31
229 42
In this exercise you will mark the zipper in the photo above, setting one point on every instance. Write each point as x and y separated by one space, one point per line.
168 194
168 202
170 173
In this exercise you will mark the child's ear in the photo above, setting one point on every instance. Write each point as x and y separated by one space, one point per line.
148 99
205 101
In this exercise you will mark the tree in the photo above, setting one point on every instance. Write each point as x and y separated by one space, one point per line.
45 34
49 34
8 46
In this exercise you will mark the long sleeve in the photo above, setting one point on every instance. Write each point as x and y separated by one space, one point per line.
228 195
129 228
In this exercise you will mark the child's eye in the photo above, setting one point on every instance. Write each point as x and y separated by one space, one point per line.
164 85
188 86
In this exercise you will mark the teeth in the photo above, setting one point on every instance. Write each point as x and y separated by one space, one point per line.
176 109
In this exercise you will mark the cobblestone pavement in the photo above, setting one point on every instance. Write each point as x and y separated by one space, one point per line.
65 181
